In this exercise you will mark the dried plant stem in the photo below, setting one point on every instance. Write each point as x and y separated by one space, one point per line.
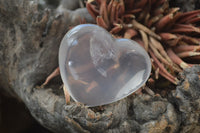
145 39
176 59
145 29
188 54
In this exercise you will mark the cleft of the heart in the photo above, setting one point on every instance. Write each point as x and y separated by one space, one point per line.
98 69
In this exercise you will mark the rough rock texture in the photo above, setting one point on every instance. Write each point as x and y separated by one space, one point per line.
29 40
139 113
187 99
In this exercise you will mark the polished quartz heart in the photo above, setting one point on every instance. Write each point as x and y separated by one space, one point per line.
98 69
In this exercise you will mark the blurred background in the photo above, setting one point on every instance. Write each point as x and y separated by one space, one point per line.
15 117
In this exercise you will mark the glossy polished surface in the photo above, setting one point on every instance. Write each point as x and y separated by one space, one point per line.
98 69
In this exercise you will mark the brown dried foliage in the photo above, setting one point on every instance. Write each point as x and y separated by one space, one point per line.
168 35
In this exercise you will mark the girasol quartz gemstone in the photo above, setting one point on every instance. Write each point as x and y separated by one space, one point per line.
98 69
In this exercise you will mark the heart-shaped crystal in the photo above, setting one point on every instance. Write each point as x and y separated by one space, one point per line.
98 69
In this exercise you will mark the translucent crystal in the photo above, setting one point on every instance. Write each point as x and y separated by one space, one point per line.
98 69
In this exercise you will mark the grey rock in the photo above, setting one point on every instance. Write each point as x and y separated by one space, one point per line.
155 114
187 99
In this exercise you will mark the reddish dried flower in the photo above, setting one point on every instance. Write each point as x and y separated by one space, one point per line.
169 36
